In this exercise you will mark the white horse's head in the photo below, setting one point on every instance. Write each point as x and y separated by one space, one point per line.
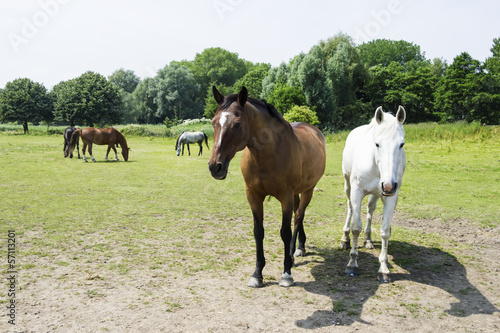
389 139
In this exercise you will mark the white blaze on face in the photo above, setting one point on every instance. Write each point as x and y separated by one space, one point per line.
223 122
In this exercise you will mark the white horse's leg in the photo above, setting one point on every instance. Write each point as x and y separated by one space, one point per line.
385 233
372 205
345 241
357 226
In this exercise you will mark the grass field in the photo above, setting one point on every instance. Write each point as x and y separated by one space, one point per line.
157 193
166 213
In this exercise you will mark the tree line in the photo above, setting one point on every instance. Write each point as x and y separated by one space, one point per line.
337 84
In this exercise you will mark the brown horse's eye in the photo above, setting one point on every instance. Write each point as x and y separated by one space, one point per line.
237 126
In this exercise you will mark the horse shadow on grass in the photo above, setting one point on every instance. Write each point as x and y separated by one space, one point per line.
427 266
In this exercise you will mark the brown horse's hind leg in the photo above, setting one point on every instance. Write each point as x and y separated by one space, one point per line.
83 151
287 205
300 210
90 152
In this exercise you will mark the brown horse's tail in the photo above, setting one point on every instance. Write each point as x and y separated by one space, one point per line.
206 140
74 140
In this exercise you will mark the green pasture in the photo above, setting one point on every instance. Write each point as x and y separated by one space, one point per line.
162 212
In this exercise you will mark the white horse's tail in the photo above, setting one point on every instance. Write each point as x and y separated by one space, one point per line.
206 140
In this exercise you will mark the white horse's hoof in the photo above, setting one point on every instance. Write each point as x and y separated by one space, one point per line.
345 245
286 280
384 278
352 271
368 244
256 282
300 252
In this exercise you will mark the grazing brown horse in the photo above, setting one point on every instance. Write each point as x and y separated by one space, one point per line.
99 136
279 159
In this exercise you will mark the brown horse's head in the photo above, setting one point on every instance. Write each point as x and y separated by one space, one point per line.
231 131
125 151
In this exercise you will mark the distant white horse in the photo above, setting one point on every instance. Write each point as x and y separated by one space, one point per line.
373 163
190 137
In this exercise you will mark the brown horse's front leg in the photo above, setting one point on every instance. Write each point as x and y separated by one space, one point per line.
286 236
257 206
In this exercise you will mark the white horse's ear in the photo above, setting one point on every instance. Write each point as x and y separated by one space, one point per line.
401 115
379 115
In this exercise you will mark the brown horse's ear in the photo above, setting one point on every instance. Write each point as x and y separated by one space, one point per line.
219 98
243 96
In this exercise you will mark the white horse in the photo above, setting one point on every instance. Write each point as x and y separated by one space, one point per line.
190 137
373 163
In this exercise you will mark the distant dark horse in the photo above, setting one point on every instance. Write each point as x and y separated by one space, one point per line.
99 136
67 138
191 137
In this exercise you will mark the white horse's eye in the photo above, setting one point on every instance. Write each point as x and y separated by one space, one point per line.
378 145
401 146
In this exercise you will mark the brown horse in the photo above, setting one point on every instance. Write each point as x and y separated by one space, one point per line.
279 159
99 136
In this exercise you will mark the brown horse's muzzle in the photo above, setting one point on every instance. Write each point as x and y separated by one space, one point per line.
218 169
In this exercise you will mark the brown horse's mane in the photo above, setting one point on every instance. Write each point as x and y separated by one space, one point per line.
121 140
261 105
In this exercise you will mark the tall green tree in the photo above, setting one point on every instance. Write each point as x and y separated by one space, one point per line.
493 62
175 93
88 99
216 66
274 75
144 104
384 51
317 87
125 80
25 101
252 80
455 91
285 97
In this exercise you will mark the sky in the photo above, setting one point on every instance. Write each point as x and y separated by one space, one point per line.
50 41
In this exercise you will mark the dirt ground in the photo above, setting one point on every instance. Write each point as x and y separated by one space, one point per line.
432 291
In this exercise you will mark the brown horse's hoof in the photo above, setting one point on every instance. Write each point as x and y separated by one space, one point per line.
256 282
286 280
300 252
